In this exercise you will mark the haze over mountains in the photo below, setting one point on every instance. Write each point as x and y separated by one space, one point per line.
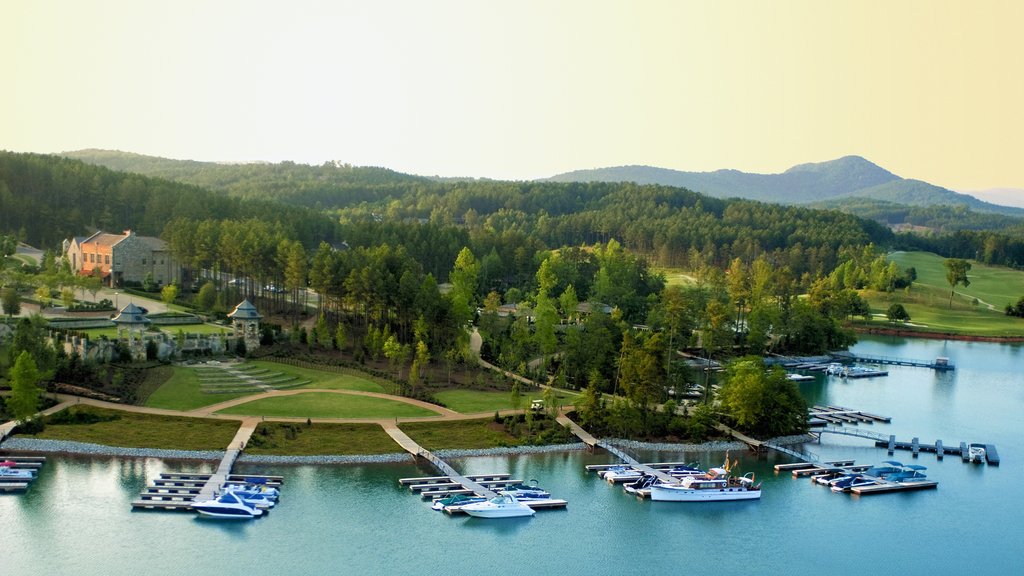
849 177
849 183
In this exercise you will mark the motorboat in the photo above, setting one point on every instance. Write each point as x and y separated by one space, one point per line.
686 470
523 491
263 490
11 473
621 474
716 486
976 453
456 500
834 369
853 481
828 477
799 377
885 471
504 505
228 505
641 485
257 499
910 473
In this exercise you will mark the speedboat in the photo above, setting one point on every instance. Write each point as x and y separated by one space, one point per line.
717 486
504 505
853 482
621 474
228 505
8 471
257 499
976 454
827 478
885 471
690 470
527 491
456 500
911 473
256 489
834 369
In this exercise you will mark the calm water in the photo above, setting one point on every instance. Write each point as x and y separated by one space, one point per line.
76 519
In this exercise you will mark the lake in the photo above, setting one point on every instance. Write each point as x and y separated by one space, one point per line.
76 518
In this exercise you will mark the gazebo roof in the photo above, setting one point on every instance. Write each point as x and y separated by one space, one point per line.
131 315
245 311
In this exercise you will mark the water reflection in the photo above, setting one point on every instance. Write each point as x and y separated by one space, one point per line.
498 526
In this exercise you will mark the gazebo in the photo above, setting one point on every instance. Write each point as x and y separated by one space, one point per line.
246 322
133 319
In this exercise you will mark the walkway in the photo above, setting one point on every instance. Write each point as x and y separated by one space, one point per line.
213 486
591 441
415 449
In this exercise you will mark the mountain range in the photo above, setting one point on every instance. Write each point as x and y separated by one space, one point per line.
849 177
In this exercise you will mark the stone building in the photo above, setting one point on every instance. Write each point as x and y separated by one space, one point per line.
120 258
246 321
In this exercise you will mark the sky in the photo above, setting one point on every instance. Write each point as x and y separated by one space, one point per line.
928 89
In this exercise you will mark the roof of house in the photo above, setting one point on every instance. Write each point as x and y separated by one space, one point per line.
131 314
245 311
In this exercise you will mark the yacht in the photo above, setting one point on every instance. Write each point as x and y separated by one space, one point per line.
717 486
228 505
504 505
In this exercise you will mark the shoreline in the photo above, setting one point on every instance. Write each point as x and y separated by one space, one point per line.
67 447
937 335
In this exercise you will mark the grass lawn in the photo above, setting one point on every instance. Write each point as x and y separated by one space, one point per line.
927 302
183 391
171 331
327 405
334 439
460 434
675 276
131 430
477 401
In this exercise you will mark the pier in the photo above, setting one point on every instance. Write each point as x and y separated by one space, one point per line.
178 490
940 364
410 446
915 446
628 460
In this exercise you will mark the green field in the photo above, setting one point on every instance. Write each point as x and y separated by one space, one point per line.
132 430
279 438
171 331
460 434
327 405
183 391
675 276
476 401
927 302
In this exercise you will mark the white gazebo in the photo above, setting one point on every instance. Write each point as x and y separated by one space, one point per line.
133 319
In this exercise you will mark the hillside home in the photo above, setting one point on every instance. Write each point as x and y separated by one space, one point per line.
120 258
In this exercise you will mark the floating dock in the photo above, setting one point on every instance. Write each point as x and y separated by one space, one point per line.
841 415
454 483
32 463
941 364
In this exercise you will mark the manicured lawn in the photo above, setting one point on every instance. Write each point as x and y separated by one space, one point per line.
459 434
927 302
184 392
476 401
675 276
327 405
171 331
335 439
145 431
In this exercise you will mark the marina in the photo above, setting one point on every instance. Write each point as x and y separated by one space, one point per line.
18 472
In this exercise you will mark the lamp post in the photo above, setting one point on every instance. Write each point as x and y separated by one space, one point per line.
115 300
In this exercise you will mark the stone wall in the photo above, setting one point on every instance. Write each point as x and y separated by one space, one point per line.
135 257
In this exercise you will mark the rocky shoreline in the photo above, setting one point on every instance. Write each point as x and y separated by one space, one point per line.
84 448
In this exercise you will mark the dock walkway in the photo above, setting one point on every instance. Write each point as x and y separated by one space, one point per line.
415 449
937 364
220 477
591 441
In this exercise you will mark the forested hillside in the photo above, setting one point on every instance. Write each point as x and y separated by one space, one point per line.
45 199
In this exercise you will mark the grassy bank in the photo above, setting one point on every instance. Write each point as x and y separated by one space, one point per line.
479 401
282 439
130 430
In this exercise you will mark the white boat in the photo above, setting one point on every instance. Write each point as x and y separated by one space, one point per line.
257 499
799 377
834 369
504 505
621 474
717 486
976 454
228 505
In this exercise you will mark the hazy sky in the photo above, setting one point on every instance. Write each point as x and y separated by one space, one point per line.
518 89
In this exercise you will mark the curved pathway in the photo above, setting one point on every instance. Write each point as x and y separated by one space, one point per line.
213 408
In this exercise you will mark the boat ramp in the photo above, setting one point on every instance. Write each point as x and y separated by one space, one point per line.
453 483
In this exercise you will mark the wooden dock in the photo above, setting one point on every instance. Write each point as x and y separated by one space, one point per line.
840 415
13 486
31 463
591 441
415 449
940 364
177 490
